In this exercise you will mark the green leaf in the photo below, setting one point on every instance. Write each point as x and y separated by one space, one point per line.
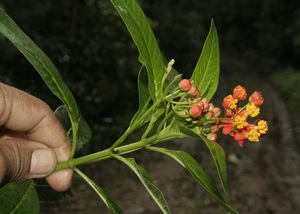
206 72
218 155
111 205
145 100
143 36
84 131
198 174
147 182
19 197
40 62
47 194
178 130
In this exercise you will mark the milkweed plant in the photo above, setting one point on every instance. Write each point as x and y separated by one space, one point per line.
170 108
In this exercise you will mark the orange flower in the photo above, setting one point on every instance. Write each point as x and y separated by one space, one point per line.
241 136
230 102
256 98
239 92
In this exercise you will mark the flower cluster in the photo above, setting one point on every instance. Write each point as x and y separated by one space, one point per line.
237 124
197 110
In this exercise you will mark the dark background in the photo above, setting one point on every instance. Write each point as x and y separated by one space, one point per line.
92 49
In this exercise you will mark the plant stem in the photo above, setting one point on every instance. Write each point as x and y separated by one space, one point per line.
108 153
135 125
74 136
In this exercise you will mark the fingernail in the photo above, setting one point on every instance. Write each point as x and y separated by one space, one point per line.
43 162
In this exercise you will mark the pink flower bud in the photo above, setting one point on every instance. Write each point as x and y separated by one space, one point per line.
209 115
185 85
239 92
195 111
211 106
194 92
256 98
214 128
217 111
205 104
212 137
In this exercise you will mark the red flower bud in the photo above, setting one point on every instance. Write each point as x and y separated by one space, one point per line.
195 111
256 98
239 92
185 85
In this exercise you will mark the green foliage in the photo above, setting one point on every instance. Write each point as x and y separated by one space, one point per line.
19 197
141 32
206 73
112 206
46 194
40 61
147 182
157 85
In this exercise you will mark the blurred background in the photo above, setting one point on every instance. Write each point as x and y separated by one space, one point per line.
89 44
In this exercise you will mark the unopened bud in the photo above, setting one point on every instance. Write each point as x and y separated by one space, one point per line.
185 85
212 137
256 98
195 111
239 92
194 92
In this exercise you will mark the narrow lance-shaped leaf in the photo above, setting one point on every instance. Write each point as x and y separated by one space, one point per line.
147 182
40 61
111 205
206 72
145 100
218 155
19 197
217 152
143 36
198 174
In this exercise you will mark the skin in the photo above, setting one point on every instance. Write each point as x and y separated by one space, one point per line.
32 140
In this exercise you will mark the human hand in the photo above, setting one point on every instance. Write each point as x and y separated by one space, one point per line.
32 140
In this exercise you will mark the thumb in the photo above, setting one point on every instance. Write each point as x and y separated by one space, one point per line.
24 159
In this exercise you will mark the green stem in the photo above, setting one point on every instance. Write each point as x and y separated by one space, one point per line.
163 122
135 125
108 153
150 126
75 137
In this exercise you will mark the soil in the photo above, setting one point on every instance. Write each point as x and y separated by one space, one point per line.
262 177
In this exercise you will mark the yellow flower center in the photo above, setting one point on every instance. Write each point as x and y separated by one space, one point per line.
253 135
252 110
262 127
240 122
